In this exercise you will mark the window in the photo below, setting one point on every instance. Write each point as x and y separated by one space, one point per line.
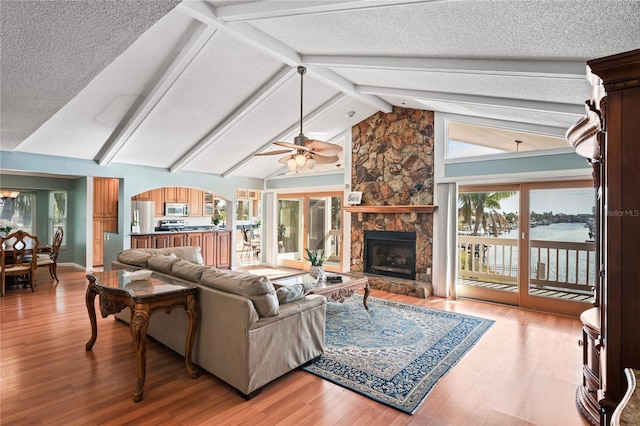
470 140
58 213
17 213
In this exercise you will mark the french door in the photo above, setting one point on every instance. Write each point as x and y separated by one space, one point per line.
529 245
310 221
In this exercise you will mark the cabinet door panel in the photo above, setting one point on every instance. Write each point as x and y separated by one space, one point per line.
141 241
223 250
177 240
161 241
194 239
195 202
209 248
157 196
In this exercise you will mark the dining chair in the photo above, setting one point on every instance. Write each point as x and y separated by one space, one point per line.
18 257
51 259
248 243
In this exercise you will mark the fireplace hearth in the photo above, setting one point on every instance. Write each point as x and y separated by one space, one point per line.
390 253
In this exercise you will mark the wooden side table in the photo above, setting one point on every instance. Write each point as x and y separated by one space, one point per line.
144 298
336 292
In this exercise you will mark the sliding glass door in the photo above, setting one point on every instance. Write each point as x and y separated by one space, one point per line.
309 221
529 245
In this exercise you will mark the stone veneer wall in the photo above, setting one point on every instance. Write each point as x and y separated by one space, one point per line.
392 155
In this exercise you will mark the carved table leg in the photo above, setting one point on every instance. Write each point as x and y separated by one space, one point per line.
192 312
90 298
139 323
367 290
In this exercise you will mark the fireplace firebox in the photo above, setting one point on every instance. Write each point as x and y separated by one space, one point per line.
390 253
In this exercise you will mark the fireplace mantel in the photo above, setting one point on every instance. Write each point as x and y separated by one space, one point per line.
391 209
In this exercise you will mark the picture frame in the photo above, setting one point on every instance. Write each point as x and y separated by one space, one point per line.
354 197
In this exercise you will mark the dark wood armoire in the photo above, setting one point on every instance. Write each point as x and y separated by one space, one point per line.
609 136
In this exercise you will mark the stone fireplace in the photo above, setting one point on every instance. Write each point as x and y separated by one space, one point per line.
392 164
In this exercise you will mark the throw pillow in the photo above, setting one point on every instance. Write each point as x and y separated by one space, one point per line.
289 293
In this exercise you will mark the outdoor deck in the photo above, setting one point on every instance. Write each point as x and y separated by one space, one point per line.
578 296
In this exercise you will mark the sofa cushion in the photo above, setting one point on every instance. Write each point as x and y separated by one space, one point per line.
289 293
257 288
192 254
163 263
188 270
134 257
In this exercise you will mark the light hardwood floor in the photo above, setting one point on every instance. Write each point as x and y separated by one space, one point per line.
523 371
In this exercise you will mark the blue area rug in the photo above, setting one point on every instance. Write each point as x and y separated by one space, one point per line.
394 353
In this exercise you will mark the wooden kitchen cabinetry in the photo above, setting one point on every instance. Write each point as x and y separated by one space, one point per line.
176 194
161 241
142 241
216 246
609 136
216 249
195 202
105 214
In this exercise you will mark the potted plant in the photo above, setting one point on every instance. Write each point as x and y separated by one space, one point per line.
316 258
216 222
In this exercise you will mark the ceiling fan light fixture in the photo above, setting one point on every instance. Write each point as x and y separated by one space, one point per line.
292 163
9 194
300 160
311 163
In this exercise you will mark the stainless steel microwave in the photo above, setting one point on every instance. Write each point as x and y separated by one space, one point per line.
176 209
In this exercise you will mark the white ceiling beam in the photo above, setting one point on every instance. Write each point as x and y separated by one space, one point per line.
291 131
278 9
274 83
549 107
163 83
575 70
205 13
249 35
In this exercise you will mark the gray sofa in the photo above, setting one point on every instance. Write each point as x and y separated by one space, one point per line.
248 334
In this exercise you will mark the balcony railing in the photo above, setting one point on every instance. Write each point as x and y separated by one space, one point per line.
568 266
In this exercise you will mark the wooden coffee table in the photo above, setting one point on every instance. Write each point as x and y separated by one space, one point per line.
336 292
144 298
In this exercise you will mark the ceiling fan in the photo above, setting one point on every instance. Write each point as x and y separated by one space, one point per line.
304 151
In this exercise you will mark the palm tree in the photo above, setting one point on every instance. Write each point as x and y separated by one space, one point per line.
484 207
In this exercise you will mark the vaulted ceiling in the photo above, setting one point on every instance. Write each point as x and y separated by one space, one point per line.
203 85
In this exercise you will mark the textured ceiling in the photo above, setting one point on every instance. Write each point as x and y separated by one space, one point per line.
203 85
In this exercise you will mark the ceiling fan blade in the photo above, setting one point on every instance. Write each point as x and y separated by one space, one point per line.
323 147
284 159
291 146
276 152
321 159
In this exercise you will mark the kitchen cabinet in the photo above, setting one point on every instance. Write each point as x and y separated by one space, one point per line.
176 194
216 246
143 196
216 249
161 241
105 214
177 240
196 201
207 204
193 239
223 250
157 196
141 241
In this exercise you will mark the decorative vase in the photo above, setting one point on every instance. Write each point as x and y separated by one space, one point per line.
316 271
